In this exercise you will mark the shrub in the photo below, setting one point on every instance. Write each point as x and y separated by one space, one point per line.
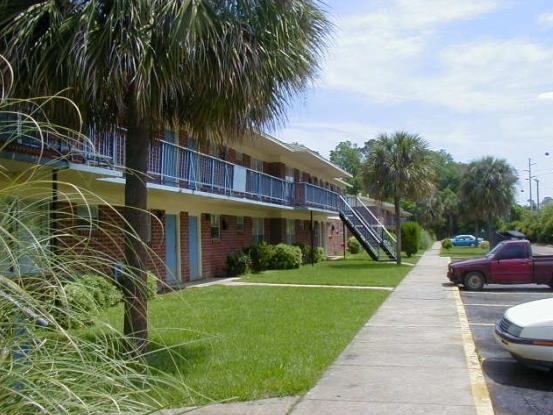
261 255
152 285
286 257
77 306
80 300
485 245
319 254
447 244
354 247
305 251
316 254
411 234
104 291
238 264
426 241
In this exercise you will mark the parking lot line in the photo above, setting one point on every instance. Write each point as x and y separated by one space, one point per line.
479 387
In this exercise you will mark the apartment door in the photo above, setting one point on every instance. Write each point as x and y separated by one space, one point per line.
172 249
194 247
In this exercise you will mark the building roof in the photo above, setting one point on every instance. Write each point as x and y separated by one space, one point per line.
268 148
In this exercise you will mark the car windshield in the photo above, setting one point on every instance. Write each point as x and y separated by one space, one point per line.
491 254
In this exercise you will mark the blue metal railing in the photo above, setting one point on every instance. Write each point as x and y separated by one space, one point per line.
177 166
318 197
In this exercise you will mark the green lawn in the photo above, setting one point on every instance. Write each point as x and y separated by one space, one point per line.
463 252
356 270
253 342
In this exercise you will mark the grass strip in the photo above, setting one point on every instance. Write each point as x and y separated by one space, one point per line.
250 342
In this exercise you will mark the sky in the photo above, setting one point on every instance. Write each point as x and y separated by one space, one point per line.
471 77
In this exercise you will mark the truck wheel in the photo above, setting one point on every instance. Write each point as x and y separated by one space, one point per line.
474 281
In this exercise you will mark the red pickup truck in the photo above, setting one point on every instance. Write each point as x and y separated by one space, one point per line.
509 262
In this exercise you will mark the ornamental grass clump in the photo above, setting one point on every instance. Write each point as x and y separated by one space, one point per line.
51 280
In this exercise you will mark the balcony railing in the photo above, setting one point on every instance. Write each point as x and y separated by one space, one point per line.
175 166
318 197
172 165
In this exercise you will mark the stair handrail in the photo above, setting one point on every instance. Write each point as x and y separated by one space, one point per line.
385 238
384 230
360 218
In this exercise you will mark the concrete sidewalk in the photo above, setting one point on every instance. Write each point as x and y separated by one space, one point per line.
414 356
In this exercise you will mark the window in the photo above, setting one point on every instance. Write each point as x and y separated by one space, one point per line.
240 227
256 165
258 229
239 158
514 252
290 231
87 217
215 226
289 174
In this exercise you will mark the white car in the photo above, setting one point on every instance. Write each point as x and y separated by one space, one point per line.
526 331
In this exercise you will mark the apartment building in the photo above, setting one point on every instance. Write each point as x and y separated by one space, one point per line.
206 200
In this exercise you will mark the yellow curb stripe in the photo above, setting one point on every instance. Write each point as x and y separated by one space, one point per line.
478 384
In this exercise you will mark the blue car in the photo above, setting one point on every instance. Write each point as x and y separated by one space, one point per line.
466 240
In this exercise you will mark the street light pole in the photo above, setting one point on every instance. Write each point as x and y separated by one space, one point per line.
537 194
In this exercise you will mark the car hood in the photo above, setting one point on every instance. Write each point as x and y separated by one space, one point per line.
532 314
475 261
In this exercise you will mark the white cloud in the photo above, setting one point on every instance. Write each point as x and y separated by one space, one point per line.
417 13
546 96
546 19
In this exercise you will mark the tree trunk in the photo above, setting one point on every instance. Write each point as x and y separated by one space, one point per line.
136 203
398 228
490 227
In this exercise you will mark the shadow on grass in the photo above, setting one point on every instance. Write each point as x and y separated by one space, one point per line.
163 357
175 359
361 265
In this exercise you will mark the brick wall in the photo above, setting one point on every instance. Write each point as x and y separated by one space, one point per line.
103 246
303 231
184 247
335 237
214 252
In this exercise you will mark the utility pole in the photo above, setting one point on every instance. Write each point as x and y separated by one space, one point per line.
530 177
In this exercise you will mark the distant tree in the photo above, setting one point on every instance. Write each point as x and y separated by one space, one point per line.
448 171
429 212
398 165
450 206
488 189
349 157
546 201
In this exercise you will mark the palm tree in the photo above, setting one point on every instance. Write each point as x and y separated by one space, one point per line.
217 69
488 189
398 166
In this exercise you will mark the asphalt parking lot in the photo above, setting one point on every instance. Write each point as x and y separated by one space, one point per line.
514 388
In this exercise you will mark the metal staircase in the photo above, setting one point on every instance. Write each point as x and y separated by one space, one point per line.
367 229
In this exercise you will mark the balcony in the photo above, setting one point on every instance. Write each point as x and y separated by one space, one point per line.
179 167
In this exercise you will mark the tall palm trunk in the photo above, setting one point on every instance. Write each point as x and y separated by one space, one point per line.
136 204
398 228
